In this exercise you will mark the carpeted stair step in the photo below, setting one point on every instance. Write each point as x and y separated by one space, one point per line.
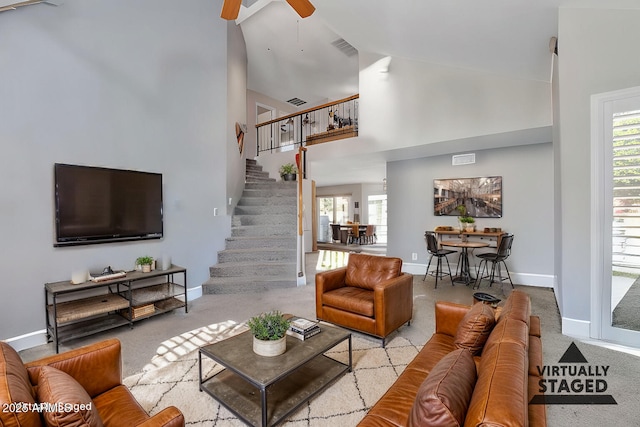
272 219
263 230
242 285
267 201
267 254
254 269
266 209
274 242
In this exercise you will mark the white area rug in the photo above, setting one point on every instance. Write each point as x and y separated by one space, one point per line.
171 378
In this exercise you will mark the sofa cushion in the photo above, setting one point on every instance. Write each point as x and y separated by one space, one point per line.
70 405
474 328
517 306
443 397
500 396
366 271
15 389
351 299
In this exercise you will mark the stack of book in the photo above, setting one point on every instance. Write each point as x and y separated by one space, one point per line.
303 328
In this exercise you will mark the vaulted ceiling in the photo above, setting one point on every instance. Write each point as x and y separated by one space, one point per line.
293 57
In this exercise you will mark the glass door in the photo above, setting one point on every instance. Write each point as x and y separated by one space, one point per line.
378 216
331 210
619 176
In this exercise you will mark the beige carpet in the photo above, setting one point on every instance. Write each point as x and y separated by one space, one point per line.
171 378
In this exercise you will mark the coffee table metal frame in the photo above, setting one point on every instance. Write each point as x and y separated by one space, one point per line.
284 382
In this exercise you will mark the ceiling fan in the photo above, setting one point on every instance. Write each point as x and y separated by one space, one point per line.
231 8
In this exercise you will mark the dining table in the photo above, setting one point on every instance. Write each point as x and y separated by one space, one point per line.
355 230
465 271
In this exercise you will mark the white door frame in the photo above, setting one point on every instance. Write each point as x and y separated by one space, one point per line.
602 109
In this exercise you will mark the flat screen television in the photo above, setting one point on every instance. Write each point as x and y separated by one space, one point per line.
100 205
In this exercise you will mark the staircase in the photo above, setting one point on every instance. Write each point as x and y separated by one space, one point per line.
261 252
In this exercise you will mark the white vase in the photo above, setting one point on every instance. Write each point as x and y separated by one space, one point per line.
270 347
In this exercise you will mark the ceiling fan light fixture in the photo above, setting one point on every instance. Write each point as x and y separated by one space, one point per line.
230 9
304 8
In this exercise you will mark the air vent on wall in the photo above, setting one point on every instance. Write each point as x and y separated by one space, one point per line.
463 159
343 46
296 101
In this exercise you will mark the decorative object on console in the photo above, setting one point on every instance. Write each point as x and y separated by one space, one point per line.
302 328
269 332
79 276
288 172
166 262
467 223
145 262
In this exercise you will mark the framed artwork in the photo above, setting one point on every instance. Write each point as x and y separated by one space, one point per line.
482 197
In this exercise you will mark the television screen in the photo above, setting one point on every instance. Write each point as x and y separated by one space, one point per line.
98 205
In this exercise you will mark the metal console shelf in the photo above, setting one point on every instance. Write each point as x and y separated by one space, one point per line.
78 310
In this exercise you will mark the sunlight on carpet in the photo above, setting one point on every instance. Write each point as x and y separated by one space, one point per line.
171 378
330 260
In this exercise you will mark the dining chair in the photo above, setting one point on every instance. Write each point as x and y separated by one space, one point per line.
370 234
435 251
335 232
500 256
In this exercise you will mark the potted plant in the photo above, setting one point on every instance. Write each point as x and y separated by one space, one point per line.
288 172
145 263
269 332
467 223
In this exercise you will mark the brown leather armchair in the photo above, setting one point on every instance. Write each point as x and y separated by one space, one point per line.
93 370
370 295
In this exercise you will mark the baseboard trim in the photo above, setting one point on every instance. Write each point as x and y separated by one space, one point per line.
528 279
32 339
576 328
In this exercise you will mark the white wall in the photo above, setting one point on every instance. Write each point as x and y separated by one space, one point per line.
527 192
136 85
417 101
236 113
595 55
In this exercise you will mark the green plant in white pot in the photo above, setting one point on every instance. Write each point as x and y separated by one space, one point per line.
288 172
467 223
145 263
269 332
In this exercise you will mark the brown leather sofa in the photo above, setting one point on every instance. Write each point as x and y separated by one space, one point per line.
480 368
370 295
88 380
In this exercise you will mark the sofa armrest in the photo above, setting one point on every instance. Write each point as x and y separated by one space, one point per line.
97 367
327 281
168 417
393 302
448 316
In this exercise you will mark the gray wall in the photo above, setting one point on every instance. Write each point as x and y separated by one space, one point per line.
527 174
596 54
125 84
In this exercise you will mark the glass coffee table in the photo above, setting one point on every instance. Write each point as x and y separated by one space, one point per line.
263 391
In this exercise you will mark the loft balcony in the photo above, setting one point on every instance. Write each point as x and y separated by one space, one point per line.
328 122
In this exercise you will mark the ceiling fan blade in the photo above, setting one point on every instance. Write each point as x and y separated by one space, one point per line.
230 9
303 7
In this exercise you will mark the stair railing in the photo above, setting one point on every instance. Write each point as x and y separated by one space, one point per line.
337 119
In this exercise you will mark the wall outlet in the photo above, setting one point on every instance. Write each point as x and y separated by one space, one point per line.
215 211
414 256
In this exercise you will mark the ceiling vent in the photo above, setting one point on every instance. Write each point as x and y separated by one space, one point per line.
463 159
296 101
343 46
